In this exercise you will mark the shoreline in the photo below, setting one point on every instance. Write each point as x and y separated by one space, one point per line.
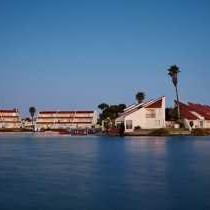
55 134
141 132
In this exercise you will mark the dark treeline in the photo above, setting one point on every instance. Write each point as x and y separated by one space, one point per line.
110 112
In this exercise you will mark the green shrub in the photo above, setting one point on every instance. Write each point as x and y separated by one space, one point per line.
137 128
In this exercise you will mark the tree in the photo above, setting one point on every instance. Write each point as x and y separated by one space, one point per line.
28 119
32 111
140 96
121 107
103 106
171 114
173 72
110 112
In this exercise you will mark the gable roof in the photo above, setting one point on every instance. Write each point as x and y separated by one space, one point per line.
155 103
129 107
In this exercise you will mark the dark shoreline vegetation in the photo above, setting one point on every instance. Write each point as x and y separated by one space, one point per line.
140 132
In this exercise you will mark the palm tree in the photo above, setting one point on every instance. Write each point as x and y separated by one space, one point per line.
173 72
140 96
32 111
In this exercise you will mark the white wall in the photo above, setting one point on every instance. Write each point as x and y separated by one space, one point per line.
140 118
198 123
137 119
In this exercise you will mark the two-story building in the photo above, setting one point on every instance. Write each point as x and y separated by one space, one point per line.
66 119
10 118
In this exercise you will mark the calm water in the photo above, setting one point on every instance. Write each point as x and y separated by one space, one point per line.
100 173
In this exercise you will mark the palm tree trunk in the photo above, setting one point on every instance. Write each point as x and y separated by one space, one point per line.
178 107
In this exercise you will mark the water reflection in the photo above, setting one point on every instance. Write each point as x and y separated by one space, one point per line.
104 173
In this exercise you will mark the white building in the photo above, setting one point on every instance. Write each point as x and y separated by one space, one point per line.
10 118
147 115
66 119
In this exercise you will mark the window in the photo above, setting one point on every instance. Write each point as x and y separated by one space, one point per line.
129 124
150 113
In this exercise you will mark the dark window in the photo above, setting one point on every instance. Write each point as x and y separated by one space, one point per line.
129 124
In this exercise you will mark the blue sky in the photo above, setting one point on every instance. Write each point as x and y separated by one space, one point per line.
75 54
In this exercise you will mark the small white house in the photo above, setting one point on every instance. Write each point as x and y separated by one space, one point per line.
146 115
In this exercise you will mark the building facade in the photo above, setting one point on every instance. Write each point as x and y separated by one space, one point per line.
147 115
10 118
66 119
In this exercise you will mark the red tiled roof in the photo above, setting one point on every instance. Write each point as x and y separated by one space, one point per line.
66 112
203 110
185 113
12 117
10 121
8 110
72 117
157 104
64 122
187 109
